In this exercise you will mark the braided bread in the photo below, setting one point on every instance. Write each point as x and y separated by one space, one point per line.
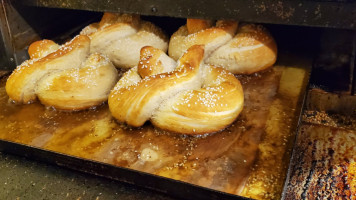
191 99
252 49
190 35
66 78
121 36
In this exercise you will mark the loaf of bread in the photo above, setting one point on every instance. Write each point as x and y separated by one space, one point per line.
65 77
121 36
185 97
252 49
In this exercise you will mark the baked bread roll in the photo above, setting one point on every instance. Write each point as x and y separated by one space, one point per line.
252 49
191 99
20 86
78 88
211 37
121 36
60 79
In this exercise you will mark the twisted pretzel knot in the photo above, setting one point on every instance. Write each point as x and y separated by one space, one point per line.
241 50
188 97
66 77
121 36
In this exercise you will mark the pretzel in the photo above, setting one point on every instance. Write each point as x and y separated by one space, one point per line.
211 37
68 78
251 50
191 99
121 36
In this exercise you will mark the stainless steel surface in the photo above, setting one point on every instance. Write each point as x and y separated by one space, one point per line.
329 13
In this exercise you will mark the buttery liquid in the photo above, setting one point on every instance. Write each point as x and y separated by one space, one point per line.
248 158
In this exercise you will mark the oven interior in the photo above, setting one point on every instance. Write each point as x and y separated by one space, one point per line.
322 162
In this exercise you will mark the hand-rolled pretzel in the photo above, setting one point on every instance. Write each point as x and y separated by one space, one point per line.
65 78
252 49
20 86
190 35
192 99
78 88
121 36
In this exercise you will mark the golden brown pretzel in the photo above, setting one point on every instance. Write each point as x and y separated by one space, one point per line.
65 78
191 99
211 37
252 49
78 88
121 36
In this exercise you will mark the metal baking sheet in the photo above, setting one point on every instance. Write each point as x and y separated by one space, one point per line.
323 165
248 159
324 161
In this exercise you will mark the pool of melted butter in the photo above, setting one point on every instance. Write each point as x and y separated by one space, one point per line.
248 158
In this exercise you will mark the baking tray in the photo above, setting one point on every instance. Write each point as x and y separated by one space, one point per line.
323 166
248 159
323 162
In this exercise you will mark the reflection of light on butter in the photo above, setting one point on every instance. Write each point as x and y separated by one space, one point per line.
148 154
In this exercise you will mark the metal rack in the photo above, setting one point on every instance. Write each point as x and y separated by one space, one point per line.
322 13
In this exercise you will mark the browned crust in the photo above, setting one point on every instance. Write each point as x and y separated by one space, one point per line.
18 80
39 48
252 49
212 101
121 100
149 61
196 25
